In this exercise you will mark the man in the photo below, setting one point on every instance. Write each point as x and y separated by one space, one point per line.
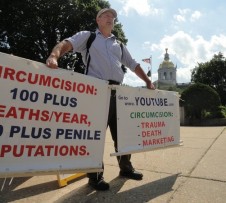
106 60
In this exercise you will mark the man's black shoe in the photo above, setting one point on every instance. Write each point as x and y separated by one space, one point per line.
99 184
135 175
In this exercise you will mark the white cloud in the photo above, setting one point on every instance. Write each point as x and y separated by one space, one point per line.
184 11
218 44
189 50
184 75
185 14
141 7
195 16
132 80
179 18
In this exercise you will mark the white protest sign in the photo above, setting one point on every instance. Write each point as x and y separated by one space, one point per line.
50 120
147 119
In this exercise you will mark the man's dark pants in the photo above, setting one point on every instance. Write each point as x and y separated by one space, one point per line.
124 161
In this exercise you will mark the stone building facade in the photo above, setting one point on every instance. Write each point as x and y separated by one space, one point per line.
167 73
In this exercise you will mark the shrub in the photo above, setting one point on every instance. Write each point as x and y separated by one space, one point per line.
200 101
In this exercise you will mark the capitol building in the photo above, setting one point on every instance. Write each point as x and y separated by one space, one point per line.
167 77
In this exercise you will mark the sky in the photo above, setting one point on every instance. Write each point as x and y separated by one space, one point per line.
192 30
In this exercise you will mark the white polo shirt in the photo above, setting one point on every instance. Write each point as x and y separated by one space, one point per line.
106 56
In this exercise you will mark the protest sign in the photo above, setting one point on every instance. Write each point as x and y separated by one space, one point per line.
147 119
50 120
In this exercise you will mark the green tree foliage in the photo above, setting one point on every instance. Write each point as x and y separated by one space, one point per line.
30 29
212 73
198 99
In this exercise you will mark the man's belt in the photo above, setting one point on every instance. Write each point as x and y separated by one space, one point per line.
112 82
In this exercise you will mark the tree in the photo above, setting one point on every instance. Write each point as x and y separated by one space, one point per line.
212 73
198 99
30 29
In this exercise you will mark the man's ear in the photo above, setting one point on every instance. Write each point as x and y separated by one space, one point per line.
97 19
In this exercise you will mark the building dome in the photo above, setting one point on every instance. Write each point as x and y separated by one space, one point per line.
167 72
166 62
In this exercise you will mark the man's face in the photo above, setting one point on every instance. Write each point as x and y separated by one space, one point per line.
106 20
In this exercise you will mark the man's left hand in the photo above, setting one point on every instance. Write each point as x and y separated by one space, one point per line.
150 85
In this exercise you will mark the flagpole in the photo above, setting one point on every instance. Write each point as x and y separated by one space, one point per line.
151 65
148 60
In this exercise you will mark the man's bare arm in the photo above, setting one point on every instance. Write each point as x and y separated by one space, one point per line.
141 74
59 50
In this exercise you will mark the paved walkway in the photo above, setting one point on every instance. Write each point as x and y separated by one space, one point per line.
193 173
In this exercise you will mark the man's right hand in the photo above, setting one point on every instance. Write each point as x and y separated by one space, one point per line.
59 50
51 62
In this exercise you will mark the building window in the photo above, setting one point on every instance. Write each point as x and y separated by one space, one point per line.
164 77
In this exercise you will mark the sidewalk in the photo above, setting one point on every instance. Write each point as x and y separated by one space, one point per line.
195 172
